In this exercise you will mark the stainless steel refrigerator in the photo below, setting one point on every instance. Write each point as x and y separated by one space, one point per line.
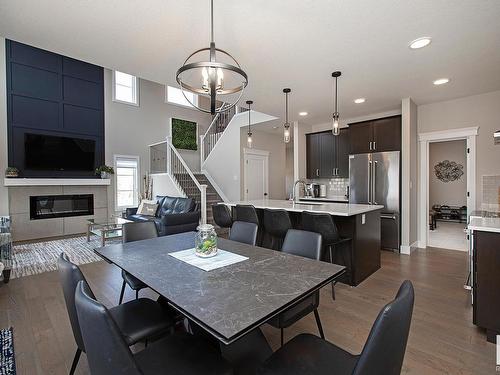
375 179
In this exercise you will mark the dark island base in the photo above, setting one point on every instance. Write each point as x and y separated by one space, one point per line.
364 254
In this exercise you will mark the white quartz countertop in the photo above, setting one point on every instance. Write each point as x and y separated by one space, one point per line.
485 224
326 199
335 209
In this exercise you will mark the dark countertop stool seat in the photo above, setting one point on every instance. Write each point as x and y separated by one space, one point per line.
276 225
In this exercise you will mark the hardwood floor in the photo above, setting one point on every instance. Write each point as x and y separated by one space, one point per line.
442 340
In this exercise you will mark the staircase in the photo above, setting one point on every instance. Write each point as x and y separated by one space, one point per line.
192 191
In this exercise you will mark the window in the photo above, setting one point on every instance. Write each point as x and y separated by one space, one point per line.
125 88
175 96
127 187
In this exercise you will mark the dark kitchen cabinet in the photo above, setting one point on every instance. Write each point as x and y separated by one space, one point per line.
343 153
377 135
313 152
486 263
327 155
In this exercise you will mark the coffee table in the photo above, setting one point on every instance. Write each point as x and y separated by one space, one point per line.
107 229
5 248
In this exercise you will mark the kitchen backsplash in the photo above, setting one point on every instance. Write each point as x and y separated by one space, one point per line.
335 187
491 193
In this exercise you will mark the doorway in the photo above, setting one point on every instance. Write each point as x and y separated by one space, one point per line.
425 218
255 174
447 198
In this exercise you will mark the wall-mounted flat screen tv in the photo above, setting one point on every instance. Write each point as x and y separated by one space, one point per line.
52 153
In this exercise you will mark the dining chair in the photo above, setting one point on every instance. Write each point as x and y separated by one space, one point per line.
108 351
222 215
137 320
332 241
276 225
136 232
383 352
308 245
244 232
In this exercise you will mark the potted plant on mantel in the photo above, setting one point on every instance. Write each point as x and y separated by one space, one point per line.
11 172
105 171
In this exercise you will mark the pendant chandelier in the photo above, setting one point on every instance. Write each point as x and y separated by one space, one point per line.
286 125
202 73
336 115
249 132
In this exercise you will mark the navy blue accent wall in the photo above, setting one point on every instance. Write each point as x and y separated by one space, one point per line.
52 94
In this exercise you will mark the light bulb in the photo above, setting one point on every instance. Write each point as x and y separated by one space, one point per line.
336 129
286 134
249 140
220 78
204 74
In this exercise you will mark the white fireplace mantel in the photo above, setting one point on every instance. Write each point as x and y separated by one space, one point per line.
56 181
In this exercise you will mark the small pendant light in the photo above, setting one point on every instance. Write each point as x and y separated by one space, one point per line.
249 133
286 125
336 116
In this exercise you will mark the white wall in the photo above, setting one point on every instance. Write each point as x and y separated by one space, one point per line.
130 129
452 193
224 162
277 159
4 193
478 110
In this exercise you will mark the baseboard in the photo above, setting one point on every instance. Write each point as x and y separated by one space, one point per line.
408 249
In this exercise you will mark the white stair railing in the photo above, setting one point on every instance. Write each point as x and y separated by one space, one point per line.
214 132
179 171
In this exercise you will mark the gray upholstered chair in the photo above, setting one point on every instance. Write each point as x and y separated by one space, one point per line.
383 352
137 320
308 245
136 232
244 232
108 352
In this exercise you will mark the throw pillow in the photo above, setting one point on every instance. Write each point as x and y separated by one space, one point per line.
147 208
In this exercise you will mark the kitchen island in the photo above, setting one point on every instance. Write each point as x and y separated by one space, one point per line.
360 222
484 237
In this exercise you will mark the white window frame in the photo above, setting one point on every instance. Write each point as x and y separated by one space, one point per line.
136 182
135 89
196 96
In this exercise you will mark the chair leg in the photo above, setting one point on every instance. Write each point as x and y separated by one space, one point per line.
76 358
282 339
318 322
122 293
137 294
333 290
333 282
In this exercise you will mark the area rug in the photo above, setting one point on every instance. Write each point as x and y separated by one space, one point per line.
33 258
7 358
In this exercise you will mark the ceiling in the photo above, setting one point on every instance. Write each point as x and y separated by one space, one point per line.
283 43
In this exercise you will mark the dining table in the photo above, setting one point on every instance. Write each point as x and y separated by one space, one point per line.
230 303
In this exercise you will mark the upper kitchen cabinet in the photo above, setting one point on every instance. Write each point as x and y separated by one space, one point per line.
375 135
327 155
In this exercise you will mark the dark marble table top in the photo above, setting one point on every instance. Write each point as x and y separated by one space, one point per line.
228 302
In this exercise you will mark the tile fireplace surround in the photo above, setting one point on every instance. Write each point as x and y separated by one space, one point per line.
23 228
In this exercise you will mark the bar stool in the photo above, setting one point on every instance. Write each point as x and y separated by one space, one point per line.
222 215
276 224
324 225
246 212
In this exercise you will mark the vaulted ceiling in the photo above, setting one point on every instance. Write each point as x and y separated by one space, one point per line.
283 43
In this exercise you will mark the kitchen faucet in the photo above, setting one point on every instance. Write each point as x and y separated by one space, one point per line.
294 195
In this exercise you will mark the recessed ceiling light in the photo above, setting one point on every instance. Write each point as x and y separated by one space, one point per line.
359 100
441 81
302 113
420 42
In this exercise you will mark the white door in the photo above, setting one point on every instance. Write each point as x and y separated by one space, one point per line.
256 165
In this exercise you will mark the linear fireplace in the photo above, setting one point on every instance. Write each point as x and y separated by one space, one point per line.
51 206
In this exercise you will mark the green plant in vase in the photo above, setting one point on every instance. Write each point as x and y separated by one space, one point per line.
206 241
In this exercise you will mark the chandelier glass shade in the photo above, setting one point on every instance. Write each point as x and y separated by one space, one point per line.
286 125
336 115
249 132
214 73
